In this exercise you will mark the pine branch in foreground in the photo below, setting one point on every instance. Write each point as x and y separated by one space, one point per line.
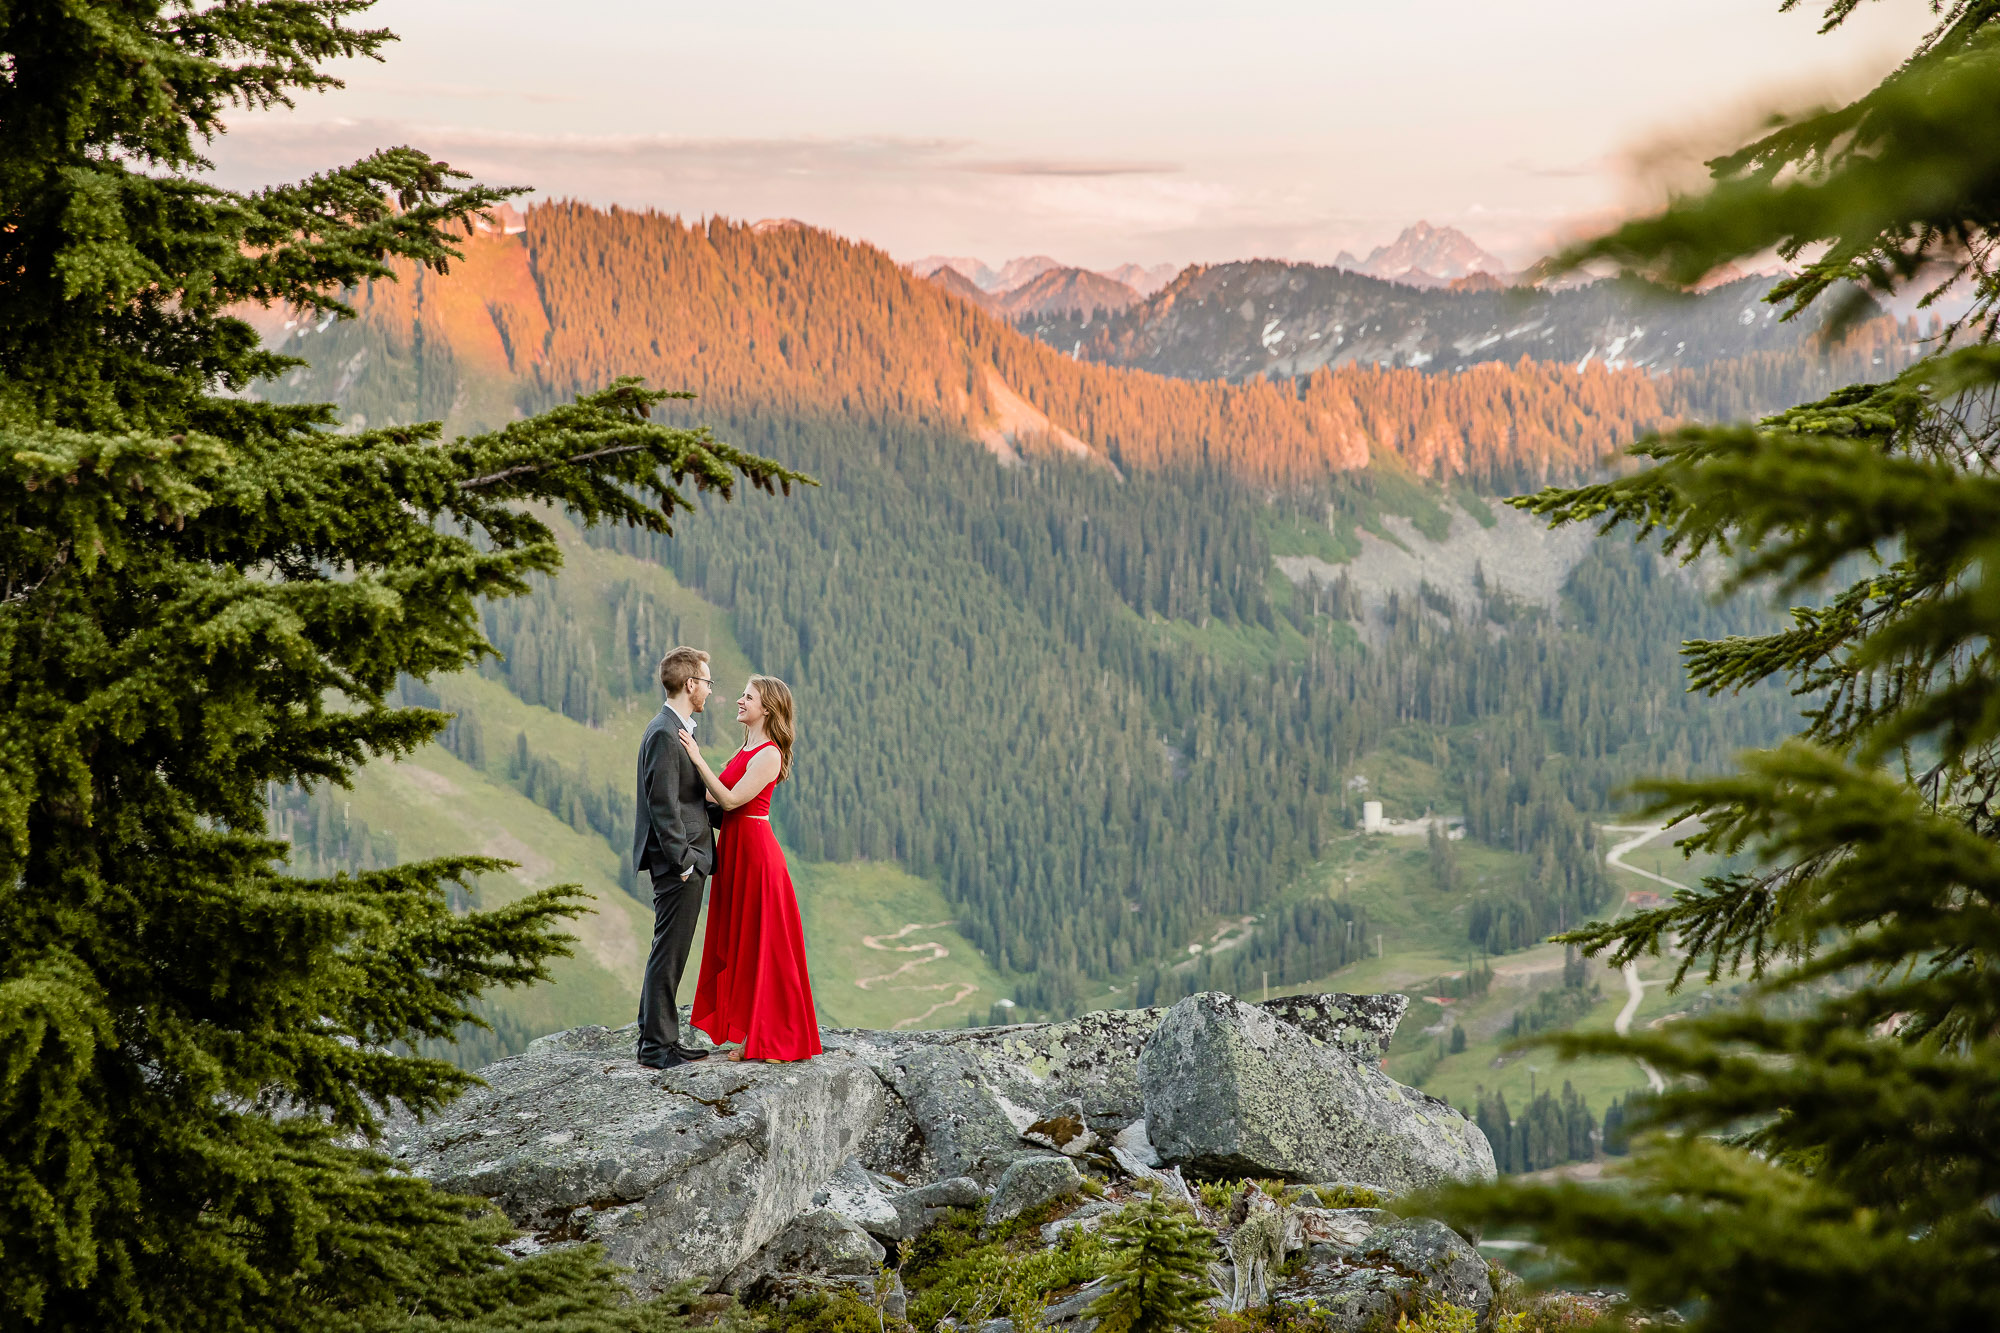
202 594
1826 1155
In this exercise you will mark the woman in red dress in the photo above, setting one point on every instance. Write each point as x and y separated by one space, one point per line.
753 991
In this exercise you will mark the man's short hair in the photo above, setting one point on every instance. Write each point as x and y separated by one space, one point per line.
679 667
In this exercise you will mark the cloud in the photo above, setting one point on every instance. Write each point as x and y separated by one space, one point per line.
805 153
1057 167
1587 168
469 92
267 135
910 195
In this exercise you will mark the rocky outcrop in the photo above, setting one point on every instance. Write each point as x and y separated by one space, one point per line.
964 1096
1232 1091
782 1179
677 1173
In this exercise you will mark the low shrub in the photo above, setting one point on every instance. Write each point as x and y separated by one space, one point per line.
1274 1317
1347 1196
1160 1259
834 1312
1444 1317
949 1269
1219 1194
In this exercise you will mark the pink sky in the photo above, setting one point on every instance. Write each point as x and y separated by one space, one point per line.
1095 131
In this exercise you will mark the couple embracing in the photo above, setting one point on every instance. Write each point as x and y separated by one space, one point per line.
698 827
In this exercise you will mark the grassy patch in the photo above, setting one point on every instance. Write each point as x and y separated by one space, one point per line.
1474 504
1332 541
1237 644
438 806
1220 1194
1383 488
882 949
841 1311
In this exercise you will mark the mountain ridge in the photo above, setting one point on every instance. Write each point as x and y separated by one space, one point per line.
1277 319
1052 292
800 320
1019 272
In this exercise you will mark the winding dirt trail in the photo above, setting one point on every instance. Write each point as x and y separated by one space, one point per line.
1635 989
932 952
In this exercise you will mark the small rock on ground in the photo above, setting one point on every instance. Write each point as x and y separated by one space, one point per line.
1030 1182
1089 1218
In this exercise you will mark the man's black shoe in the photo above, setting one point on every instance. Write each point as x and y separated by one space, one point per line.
667 1061
689 1052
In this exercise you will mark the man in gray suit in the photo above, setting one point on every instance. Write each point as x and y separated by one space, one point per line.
675 845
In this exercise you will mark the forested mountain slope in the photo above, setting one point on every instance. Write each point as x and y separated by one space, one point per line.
1079 700
788 319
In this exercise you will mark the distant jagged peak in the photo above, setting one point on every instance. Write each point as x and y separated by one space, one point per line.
975 271
1144 281
766 225
1424 256
1478 281
1727 273
1056 291
1025 269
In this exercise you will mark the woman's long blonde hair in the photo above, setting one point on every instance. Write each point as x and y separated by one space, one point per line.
776 696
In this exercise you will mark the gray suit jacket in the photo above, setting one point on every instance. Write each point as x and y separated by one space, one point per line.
674 830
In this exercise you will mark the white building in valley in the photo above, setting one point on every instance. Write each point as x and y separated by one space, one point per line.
1372 821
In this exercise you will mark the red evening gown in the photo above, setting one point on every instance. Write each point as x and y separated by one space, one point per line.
753 986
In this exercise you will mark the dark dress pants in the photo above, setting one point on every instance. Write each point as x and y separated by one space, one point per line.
676 906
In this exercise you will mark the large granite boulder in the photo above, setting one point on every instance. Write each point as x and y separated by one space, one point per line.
678 1173
964 1097
1231 1090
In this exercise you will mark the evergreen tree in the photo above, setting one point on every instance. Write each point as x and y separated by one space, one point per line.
204 597
1443 861
1159 1274
1860 1080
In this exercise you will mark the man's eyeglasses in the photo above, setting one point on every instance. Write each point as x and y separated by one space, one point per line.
704 680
